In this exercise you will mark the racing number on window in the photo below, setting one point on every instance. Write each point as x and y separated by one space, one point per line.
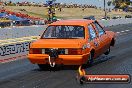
99 29
92 32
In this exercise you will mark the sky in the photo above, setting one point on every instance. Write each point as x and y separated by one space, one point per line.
98 3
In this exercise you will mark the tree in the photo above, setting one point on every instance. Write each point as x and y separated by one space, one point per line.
109 3
121 3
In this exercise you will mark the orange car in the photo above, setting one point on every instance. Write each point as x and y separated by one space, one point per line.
71 42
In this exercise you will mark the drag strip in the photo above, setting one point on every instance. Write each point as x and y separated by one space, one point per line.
23 74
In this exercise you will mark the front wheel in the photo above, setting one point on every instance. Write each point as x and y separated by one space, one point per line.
108 51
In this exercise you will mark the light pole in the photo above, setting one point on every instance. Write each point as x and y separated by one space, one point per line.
105 8
51 10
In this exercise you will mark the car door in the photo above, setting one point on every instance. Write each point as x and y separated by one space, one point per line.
93 40
103 37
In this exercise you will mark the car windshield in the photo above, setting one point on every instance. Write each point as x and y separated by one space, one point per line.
64 32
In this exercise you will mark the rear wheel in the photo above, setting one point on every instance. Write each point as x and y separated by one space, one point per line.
90 59
43 66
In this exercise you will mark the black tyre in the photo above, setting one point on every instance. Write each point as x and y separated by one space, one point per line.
43 66
90 59
108 51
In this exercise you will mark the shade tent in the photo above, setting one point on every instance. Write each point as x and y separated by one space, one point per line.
19 20
3 15
15 18
22 15
2 10
9 12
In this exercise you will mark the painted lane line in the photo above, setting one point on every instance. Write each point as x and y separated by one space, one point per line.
127 30
122 31
117 32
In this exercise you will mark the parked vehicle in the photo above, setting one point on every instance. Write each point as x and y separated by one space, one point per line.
71 42
128 16
116 17
89 18
105 18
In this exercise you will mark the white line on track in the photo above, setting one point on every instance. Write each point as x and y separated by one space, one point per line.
117 32
122 31
127 30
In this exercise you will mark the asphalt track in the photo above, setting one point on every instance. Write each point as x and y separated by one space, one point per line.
23 74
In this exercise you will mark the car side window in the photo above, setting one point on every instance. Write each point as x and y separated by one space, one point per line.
99 29
92 32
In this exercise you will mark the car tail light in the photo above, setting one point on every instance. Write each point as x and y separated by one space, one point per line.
30 51
35 51
76 51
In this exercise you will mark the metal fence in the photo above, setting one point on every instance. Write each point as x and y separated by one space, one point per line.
114 22
18 32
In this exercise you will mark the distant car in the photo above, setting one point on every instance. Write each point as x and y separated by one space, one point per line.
128 16
116 17
71 42
105 18
89 18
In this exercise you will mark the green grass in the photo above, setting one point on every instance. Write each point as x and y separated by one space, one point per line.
66 13
36 14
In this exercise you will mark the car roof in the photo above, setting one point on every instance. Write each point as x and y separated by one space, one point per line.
79 22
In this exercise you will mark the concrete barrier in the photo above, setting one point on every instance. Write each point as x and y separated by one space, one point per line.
12 49
18 32
114 22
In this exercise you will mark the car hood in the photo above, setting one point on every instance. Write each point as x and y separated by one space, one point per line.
58 43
